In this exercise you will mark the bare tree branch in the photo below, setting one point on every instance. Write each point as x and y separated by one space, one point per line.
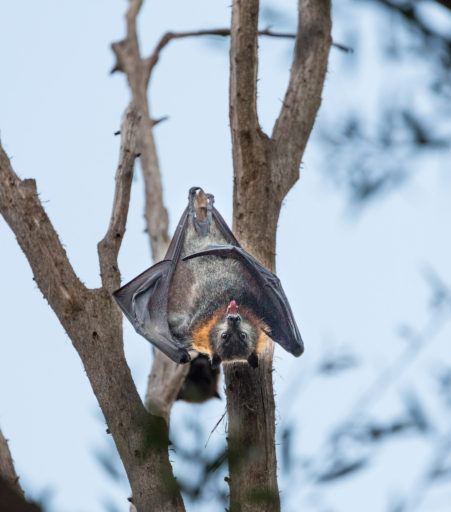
93 323
12 497
7 470
303 95
250 144
165 381
152 60
445 3
243 71
108 247
138 72
157 218
22 210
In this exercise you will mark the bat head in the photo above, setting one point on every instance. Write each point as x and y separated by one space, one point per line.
237 334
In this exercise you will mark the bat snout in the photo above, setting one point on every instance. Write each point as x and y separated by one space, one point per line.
233 319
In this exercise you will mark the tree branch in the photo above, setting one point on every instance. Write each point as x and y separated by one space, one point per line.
22 210
7 472
108 247
303 96
12 497
221 32
445 3
164 383
243 69
138 73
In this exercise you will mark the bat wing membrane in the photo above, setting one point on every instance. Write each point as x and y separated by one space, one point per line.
145 299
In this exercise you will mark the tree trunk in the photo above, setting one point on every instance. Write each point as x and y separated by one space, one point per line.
264 171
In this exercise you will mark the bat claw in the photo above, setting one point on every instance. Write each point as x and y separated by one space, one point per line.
253 360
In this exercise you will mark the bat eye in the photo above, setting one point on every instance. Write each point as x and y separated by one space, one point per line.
243 335
224 335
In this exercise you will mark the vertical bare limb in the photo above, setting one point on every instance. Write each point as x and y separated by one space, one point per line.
303 96
250 144
166 377
250 397
108 247
243 70
137 71
264 170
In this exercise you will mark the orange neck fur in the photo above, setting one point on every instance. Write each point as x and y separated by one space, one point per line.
201 333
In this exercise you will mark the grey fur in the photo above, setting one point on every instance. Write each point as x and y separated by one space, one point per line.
201 286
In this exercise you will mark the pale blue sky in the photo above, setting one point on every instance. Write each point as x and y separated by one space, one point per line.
351 280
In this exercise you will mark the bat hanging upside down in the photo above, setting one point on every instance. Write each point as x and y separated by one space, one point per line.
209 296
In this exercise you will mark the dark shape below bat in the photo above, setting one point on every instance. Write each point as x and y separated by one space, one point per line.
209 296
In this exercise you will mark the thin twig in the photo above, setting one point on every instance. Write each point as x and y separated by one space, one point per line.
216 426
221 32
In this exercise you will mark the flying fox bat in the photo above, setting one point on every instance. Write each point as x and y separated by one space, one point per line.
209 296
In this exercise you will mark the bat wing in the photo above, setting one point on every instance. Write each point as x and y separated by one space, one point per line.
273 301
144 300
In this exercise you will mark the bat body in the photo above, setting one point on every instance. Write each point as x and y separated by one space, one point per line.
209 296
211 302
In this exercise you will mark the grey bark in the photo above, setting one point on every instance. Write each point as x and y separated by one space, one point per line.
265 168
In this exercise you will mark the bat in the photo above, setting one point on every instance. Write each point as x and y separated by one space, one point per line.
209 296
201 383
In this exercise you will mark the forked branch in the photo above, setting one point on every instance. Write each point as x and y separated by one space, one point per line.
264 170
